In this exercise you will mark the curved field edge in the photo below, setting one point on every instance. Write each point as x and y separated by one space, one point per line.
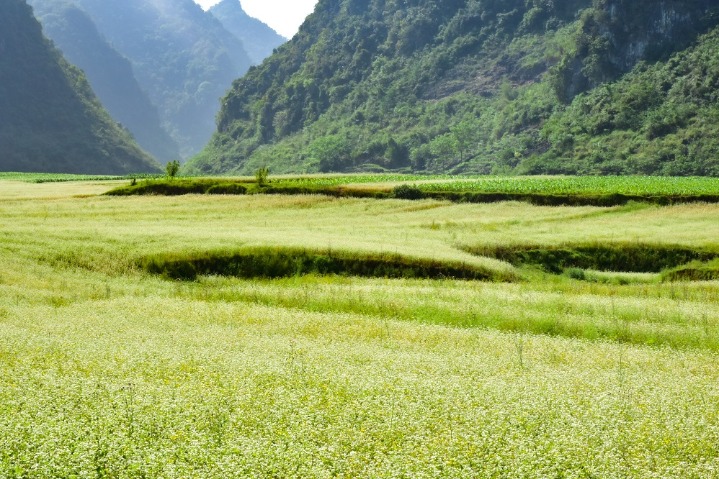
274 262
630 257
694 271
424 291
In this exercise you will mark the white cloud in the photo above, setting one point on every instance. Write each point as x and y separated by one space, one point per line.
285 16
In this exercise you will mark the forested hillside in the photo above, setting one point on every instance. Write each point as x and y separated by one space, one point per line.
109 73
661 118
50 119
182 57
511 86
258 38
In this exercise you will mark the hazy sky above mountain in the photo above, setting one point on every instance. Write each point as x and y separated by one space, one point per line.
285 16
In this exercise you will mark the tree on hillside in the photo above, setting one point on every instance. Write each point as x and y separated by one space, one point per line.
328 152
458 143
466 134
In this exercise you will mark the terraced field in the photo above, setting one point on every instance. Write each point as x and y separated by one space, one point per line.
365 355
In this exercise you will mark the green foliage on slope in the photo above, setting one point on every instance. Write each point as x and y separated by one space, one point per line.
659 119
50 119
440 85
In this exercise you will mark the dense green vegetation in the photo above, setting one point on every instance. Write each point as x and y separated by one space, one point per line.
480 87
109 74
109 369
176 187
51 120
614 256
258 39
597 185
659 119
597 191
694 271
613 36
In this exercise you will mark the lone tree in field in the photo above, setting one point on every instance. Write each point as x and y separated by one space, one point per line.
172 168
261 175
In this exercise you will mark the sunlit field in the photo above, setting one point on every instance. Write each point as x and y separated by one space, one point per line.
108 370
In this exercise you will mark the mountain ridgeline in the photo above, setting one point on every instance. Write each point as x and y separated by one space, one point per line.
482 86
109 73
182 58
50 119
258 38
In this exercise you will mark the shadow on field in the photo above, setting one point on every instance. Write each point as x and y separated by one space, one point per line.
270 262
676 263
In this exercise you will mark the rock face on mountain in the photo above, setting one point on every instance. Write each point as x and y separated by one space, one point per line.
50 119
258 38
617 34
109 73
182 57
490 86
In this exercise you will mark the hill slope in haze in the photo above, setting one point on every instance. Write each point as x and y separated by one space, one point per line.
182 56
50 120
258 38
478 86
109 74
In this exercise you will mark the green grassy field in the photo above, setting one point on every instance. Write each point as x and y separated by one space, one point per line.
597 185
110 370
549 191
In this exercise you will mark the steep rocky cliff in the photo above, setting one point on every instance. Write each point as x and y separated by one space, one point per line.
617 34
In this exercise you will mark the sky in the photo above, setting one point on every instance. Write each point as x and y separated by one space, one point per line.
284 16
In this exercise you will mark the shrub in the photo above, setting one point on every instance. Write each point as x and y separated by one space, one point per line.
168 188
407 192
576 273
227 189
694 271
286 262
